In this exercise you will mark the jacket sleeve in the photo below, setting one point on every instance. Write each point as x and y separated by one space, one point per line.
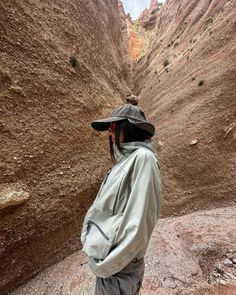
138 220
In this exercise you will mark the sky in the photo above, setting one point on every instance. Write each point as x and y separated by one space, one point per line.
135 7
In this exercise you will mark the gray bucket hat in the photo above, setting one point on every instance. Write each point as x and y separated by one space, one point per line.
132 113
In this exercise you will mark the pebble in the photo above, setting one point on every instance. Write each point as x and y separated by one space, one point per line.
193 142
193 274
216 274
229 275
219 270
169 283
227 262
222 282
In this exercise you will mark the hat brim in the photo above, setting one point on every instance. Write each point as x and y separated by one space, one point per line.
144 125
103 125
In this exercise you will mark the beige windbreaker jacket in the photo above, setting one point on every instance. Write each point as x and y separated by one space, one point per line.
119 224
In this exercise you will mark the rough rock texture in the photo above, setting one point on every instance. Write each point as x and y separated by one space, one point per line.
149 16
138 39
10 196
125 29
62 65
187 84
186 256
190 251
140 31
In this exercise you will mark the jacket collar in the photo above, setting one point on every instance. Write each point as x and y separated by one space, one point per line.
130 147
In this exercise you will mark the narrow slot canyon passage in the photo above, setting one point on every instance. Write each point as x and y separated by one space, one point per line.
67 63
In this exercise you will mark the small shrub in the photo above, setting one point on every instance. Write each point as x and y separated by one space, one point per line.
137 26
74 61
193 78
209 21
200 83
166 62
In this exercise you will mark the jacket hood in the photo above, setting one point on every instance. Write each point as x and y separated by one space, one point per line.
130 147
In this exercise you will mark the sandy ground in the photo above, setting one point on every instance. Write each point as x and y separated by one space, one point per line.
181 259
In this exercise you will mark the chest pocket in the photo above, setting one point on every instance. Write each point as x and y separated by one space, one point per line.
109 193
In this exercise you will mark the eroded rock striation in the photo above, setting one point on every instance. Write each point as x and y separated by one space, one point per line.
12 195
148 17
68 65
62 64
140 31
186 81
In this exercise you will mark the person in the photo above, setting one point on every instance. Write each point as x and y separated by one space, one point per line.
119 224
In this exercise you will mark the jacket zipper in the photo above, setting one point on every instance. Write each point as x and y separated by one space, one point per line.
99 228
108 173
103 183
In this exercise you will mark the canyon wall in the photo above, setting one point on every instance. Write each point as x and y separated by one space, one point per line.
187 84
63 64
66 63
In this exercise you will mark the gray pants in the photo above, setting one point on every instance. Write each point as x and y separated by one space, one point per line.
126 282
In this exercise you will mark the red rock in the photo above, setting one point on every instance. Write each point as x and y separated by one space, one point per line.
46 109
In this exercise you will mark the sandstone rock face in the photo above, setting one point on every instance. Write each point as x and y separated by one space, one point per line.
138 39
140 30
149 16
68 65
11 197
125 29
63 64
186 82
